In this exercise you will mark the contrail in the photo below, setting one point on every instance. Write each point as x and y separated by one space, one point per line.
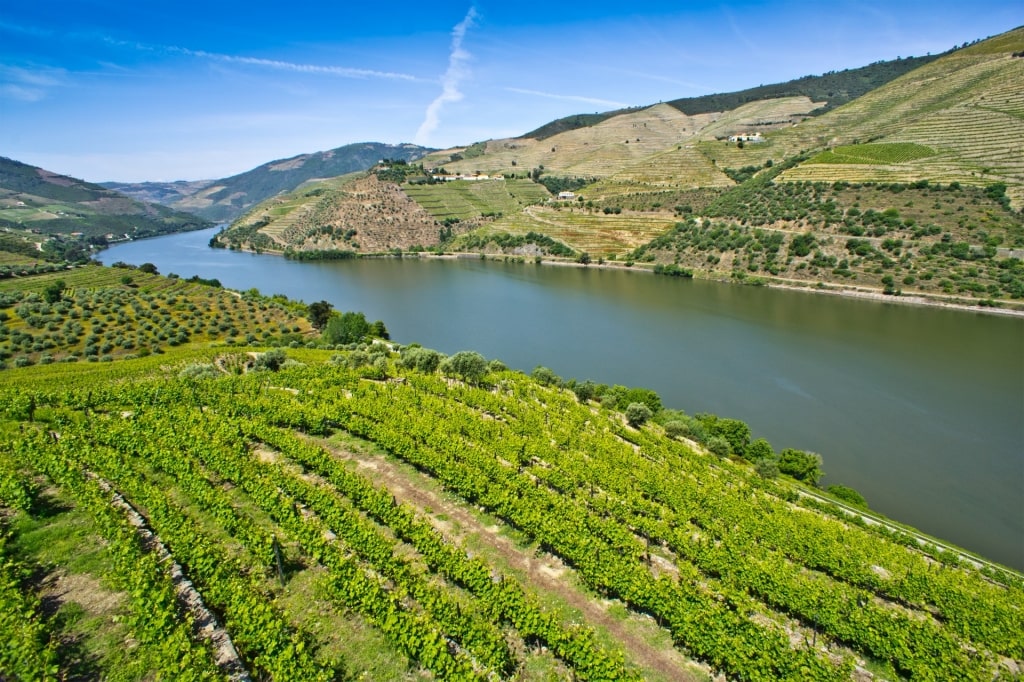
569 98
458 69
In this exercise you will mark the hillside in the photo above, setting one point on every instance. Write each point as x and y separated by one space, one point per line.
357 213
225 199
914 188
833 89
42 202
239 511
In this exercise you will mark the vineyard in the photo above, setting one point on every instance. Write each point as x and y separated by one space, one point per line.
467 200
896 152
328 529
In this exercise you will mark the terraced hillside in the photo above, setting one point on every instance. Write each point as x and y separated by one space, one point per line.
353 213
329 530
466 200
600 150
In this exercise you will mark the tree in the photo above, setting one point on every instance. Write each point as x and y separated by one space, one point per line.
425 360
346 328
760 449
52 293
378 330
637 414
148 268
467 364
585 391
803 466
319 313
544 376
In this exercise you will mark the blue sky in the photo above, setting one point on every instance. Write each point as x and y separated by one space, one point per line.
143 90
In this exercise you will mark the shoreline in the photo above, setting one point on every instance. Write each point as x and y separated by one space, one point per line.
815 288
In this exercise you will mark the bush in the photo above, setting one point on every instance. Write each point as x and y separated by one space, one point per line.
585 391
803 466
766 468
271 360
637 414
719 446
848 495
545 377
677 429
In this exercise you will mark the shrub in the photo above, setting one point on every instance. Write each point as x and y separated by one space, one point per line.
637 414
719 446
848 495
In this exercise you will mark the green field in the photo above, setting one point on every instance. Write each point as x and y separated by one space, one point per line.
466 200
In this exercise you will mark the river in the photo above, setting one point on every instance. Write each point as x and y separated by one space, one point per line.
920 409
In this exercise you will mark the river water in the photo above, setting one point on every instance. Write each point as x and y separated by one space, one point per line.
919 409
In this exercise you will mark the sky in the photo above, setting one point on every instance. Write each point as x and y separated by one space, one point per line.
146 90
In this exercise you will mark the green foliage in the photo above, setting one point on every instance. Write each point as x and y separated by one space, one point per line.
424 360
545 377
803 466
318 314
760 449
468 365
637 413
349 327
508 242
53 291
735 432
848 495
719 446
556 184
272 360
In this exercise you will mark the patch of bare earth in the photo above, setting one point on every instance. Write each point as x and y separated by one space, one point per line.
545 573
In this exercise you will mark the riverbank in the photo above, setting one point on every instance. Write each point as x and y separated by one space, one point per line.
790 285
863 293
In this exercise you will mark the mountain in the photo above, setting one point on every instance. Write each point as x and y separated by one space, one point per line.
227 198
48 203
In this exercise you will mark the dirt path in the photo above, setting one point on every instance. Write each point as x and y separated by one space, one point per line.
545 573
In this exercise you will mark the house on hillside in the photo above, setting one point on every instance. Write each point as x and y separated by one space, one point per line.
566 196
746 137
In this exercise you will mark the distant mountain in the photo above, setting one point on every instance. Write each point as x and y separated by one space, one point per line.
834 88
48 203
226 199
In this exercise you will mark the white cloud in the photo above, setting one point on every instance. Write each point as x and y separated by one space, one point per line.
28 85
458 70
569 98
343 71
